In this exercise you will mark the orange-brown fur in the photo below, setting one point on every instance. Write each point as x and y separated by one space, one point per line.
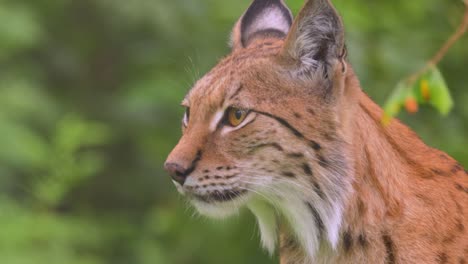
403 202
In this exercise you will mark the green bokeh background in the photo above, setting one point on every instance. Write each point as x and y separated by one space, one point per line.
89 109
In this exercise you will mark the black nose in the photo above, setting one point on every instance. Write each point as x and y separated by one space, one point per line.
177 172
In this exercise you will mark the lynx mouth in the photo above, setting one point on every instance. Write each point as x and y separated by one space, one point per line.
220 196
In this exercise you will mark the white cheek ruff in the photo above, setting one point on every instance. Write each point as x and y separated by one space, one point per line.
266 218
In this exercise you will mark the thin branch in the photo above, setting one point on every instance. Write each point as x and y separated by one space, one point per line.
462 28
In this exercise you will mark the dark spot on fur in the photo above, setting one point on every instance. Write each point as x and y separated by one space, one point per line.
297 115
206 171
230 176
316 146
317 218
461 260
390 249
295 155
442 258
460 226
443 156
311 111
425 199
318 190
347 242
361 207
307 169
288 174
288 243
439 172
328 136
322 161
461 188
217 177
456 168
362 240
427 175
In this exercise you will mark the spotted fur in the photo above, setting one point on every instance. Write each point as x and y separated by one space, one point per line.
325 179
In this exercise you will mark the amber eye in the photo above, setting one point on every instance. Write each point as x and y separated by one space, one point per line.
235 116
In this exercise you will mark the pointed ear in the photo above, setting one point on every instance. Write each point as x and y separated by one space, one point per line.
316 39
263 19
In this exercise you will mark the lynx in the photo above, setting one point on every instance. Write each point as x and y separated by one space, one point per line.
282 127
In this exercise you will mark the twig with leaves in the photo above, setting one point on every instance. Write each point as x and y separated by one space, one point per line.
426 86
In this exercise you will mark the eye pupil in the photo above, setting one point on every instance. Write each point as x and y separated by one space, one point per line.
235 116
239 114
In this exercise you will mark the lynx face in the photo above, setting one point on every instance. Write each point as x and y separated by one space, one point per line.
263 128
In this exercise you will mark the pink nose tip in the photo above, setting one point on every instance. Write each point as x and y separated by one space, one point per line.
177 172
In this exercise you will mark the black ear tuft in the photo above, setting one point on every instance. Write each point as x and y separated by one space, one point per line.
264 18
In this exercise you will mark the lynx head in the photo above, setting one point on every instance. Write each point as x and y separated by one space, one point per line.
264 128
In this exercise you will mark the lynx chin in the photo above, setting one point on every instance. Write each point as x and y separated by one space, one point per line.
282 127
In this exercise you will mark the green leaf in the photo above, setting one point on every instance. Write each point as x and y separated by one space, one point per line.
396 100
440 94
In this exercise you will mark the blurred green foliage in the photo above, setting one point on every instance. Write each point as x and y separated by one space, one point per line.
89 109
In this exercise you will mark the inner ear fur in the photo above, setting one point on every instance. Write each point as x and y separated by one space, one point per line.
263 19
316 39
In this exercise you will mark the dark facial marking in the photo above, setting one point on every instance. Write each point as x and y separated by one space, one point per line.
284 123
296 132
297 115
442 258
347 242
461 260
255 148
307 169
390 248
288 174
318 219
236 93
